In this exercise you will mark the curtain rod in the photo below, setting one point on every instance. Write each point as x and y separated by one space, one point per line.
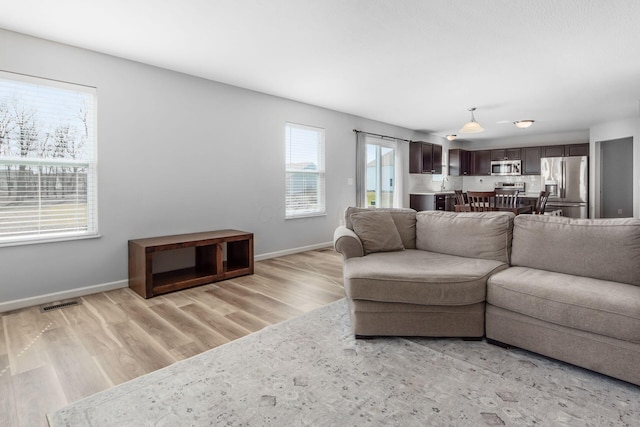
382 136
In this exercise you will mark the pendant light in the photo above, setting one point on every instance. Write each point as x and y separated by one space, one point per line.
451 137
472 126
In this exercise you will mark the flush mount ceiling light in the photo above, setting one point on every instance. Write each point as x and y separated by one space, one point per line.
472 126
523 124
451 137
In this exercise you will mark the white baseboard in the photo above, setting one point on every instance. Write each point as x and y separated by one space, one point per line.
293 251
88 290
59 296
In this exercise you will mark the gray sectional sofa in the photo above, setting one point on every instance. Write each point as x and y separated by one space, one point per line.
565 288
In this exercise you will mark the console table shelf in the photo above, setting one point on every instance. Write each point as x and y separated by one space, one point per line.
210 265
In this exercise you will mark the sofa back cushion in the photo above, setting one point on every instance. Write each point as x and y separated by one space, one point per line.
607 249
376 231
484 235
403 218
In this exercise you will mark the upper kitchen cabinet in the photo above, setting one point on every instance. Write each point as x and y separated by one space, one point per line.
425 157
459 162
565 150
436 159
506 154
415 157
531 161
553 151
480 162
576 150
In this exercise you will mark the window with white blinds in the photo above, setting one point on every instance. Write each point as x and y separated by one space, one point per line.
305 194
47 160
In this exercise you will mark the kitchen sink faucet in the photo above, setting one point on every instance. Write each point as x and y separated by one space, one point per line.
444 183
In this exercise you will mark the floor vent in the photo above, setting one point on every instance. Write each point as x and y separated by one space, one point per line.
59 304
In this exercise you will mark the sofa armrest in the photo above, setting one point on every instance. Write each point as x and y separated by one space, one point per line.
347 243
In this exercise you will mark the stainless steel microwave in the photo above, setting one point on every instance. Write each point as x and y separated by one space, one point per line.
506 167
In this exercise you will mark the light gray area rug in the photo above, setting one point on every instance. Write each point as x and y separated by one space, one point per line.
310 371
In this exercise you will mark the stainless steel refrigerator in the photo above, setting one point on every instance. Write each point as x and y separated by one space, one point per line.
567 181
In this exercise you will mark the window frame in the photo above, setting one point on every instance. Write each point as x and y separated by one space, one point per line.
321 210
89 162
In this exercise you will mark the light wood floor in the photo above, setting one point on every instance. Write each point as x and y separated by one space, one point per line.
48 360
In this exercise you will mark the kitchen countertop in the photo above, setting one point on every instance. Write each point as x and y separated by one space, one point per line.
431 193
532 195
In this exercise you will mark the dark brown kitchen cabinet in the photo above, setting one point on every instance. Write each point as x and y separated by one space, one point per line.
553 151
463 162
415 157
565 150
436 156
430 202
531 161
425 157
576 150
480 161
506 154
441 201
421 202
459 162
514 154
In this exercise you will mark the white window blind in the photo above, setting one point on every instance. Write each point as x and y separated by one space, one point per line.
47 160
305 195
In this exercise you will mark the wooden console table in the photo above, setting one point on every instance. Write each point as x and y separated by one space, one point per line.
209 267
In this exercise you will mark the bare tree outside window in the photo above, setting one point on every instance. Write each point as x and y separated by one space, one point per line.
47 160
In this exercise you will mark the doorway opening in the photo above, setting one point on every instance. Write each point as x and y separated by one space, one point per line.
381 174
616 178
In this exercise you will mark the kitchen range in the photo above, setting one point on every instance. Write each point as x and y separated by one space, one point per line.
520 186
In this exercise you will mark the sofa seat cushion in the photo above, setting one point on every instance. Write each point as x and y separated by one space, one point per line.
591 305
418 277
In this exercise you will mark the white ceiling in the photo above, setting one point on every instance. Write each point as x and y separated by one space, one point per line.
567 64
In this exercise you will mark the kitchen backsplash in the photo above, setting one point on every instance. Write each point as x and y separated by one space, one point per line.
487 183
426 183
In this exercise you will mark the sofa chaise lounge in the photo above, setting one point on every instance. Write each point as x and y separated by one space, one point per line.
565 288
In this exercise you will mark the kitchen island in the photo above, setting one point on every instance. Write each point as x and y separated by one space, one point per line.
432 201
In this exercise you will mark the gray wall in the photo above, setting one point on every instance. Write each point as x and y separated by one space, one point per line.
177 154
